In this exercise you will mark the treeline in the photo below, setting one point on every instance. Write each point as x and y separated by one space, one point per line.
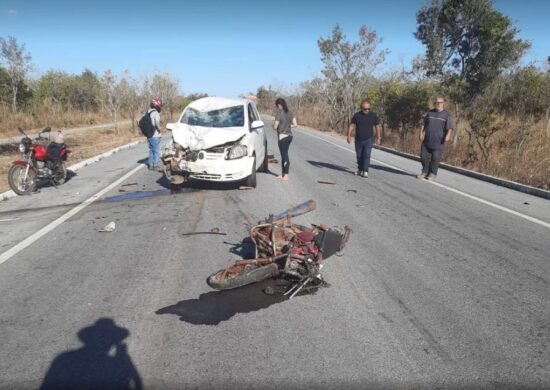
58 98
472 58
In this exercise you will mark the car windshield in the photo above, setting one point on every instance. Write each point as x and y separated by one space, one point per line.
225 117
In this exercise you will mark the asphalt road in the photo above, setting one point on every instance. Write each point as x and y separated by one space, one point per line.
442 285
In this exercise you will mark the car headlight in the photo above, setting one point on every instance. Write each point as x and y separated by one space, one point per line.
22 148
236 151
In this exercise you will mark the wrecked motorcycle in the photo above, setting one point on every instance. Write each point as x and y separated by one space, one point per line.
40 162
285 250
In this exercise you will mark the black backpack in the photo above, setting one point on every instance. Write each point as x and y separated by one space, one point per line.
146 125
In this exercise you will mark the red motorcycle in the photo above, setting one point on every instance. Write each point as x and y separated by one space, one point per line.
41 162
285 250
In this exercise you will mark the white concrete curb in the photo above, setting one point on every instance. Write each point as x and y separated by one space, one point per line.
10 194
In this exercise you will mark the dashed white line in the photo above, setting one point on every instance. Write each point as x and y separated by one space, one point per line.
486 202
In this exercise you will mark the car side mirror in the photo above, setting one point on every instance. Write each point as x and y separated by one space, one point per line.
170 126
256 125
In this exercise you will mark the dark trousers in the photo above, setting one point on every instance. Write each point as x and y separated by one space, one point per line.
362 151
284 144
430 160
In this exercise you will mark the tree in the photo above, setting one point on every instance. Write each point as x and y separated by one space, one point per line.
468 45
85 91
18 65
165 87
348 67
113 90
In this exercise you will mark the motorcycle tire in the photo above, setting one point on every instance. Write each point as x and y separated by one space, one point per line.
16 182
60 175
247 276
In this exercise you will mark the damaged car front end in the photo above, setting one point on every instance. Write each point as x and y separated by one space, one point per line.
215 140
226 162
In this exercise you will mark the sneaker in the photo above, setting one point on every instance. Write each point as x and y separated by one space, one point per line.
421 176
365 174
431 177
357 173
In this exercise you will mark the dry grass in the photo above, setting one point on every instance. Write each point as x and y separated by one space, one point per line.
82 147
523 157
38 118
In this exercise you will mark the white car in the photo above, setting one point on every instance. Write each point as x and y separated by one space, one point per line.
217 139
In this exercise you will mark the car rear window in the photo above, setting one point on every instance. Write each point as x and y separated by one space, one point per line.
225 117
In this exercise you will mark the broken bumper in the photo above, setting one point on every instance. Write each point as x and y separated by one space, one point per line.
213 168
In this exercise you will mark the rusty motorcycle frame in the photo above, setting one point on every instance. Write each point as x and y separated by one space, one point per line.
285 250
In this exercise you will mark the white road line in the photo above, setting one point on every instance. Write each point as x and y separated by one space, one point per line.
486 202
48 228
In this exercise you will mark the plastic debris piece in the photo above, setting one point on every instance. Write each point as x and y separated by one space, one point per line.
129 184
196 233
354 191
215 230
325 182
110 227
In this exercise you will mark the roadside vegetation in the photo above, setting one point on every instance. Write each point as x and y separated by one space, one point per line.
60 100
473 58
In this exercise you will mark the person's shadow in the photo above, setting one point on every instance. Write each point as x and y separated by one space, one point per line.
217 306
102 363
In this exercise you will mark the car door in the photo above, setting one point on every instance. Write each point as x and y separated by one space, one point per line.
257 134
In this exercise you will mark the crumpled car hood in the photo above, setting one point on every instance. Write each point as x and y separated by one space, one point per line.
200 138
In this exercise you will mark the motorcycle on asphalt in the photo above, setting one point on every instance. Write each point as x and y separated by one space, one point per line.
41 161
285 250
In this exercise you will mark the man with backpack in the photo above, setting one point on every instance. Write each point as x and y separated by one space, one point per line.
150 127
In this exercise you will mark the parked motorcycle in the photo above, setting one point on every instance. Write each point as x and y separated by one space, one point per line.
41 162
285 250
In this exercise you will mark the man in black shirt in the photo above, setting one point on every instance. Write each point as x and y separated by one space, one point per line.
367 130
435 134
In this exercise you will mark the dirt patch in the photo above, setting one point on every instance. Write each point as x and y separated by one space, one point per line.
82 146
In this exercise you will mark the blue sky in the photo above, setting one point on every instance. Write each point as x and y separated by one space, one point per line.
225 48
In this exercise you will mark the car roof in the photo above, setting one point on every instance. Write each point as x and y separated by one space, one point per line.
216 103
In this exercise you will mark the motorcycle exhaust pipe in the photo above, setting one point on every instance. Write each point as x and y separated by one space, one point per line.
301 209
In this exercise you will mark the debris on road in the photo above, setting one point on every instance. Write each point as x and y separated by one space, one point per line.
354 191
325 182
122 190
196 233
110 227
215 230
129 184
526 203
273 161
9 219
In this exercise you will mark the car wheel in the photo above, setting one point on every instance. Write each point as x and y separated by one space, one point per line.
251 180
265 164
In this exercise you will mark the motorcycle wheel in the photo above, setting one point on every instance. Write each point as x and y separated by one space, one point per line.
239 276
60 174
17 181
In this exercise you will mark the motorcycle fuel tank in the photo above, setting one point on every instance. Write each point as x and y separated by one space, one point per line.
40 152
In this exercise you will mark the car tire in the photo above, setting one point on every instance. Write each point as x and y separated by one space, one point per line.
251 180
265 164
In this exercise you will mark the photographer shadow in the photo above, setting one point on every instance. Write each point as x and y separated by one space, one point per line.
217 306
103 361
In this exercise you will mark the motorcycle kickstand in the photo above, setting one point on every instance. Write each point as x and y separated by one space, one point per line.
297 288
